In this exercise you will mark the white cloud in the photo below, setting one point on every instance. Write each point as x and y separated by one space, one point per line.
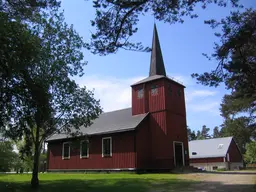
190 95
115 93
212 107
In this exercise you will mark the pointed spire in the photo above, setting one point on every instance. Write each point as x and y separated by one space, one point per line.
156 62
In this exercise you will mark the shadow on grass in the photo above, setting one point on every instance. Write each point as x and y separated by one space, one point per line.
101 185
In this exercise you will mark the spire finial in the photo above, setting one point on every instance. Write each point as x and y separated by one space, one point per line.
156 62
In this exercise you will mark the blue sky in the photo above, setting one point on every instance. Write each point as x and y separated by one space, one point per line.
182 47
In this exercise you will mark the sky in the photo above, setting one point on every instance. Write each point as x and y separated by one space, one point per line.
182 47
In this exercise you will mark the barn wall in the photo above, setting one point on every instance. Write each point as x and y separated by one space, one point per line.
123 154
211 166
234 153
207 160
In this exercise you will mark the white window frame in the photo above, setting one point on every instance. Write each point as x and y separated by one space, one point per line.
87 156
102 149
63 150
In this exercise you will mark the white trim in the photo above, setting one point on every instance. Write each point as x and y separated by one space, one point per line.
110 146
183 158
228 159
87 156
68 150
224 159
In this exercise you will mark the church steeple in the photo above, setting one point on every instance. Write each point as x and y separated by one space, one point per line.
156 62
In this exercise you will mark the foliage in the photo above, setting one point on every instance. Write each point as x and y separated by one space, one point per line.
7 156
240 129
96 182
39 55
116 21
236 58
216 132
203 134
250 155
191 134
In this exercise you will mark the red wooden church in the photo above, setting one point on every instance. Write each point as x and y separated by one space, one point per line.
151 135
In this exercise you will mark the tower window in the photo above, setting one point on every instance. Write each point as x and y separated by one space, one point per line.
140 93
154 90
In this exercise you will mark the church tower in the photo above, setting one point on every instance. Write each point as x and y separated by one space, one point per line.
164 100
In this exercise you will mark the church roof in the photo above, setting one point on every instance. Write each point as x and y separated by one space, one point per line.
156 61
209 147
155 77
110 122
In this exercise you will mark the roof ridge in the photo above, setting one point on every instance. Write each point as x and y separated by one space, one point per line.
117 110
212 139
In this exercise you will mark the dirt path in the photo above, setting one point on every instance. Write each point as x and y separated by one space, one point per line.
241 181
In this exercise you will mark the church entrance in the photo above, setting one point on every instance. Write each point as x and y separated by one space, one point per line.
178 154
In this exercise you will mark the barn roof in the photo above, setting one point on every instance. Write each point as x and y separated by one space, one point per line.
110 122
209 148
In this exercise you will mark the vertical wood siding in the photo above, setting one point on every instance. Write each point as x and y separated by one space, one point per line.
138 104
143 145
234 153
123 154
156 102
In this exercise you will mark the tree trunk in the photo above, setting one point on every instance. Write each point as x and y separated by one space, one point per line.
35 180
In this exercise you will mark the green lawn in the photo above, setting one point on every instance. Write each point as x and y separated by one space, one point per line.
94 182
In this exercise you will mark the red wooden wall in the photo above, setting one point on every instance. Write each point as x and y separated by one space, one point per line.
207 160
123 154
234 153
167 120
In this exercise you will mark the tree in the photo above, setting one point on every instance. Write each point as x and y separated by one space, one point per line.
39 55
240 129
203 134
191 134
7 156
250 155
216 132
116 21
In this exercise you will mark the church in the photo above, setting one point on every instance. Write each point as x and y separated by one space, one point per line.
151 135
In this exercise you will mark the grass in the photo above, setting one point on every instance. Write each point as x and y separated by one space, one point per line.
94 182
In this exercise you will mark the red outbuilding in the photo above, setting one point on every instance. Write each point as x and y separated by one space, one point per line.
213 154
151 135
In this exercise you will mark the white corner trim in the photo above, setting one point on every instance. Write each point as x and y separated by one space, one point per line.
183 158
68 150
102 149
82 157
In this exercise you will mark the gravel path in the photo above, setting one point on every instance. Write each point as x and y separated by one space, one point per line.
241 181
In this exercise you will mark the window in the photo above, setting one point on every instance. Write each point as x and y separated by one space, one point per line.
66 150
140 93
107 147
194 153
220 146
84 149
154 90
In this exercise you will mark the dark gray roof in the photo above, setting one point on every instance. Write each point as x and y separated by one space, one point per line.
155 77
209 148
156 62
110 122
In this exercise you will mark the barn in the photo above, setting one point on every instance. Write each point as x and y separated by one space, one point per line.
151 135
213 154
